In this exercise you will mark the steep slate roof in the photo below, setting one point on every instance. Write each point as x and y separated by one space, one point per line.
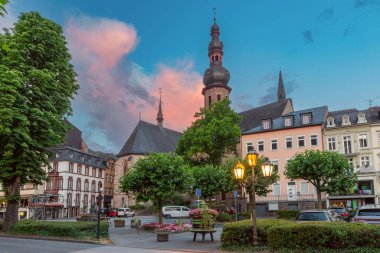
372 115
318 116
73 137
252 118
147 138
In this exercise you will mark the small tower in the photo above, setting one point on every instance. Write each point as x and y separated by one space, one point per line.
281 95
160 116
216 77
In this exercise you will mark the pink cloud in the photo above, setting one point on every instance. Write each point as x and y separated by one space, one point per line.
113 92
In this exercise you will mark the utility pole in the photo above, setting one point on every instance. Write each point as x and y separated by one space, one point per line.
371 100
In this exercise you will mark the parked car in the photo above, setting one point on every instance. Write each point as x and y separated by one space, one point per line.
342 212
125 212
175 211
369 214
112 212
318 215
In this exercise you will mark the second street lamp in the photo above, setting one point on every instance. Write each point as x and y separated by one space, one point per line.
239 169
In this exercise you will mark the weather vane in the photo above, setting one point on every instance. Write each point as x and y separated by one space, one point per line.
214 9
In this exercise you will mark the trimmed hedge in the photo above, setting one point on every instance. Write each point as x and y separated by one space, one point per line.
224 217
75 230
240 233
324 235
287 214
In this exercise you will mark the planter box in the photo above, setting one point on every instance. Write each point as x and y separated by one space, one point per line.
162 237
197 223
119 223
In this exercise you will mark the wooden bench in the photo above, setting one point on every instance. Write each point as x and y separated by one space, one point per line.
196 231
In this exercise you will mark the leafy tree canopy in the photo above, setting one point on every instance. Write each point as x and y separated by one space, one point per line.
2 7
37 84
156 177
214 133
212 180
328 171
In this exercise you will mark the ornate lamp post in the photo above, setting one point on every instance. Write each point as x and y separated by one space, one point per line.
239 169
99 199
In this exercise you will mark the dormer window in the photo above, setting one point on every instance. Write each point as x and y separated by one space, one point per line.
288 121
330 122
361 118
266 124
306 118
346 120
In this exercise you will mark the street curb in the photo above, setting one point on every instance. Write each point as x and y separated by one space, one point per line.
53 239
167 249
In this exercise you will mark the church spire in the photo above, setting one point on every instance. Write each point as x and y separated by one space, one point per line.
160 116
281 95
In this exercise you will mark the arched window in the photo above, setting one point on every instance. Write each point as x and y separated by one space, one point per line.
77 200
87 171
93 200
93 184
86 185
79 169
93 172
85 200
79 184
71 167
69 199
70 183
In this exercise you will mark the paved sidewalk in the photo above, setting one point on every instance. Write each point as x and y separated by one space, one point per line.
128 237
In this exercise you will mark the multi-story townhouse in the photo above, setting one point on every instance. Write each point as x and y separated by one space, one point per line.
109 177
279 139
356 134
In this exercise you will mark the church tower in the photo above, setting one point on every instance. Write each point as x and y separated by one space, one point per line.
216 77
281 95
160 116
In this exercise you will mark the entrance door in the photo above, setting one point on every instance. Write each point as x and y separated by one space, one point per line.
292 192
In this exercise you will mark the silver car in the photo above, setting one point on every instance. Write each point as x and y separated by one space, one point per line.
318 215
368 214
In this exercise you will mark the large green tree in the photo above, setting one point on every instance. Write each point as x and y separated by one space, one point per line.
2 7
328 171
214 133
212 180
157 177
37 84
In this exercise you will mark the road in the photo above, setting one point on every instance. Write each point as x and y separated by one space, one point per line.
16 245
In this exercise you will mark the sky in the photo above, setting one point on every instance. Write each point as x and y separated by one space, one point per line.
125 51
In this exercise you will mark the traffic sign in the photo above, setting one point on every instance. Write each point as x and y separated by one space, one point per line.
198 192
235 194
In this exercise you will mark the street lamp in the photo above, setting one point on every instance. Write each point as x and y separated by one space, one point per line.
99 199
267 169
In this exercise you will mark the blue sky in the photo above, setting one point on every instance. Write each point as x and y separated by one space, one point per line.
328 51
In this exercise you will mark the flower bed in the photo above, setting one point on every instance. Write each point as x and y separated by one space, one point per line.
173 228
197 213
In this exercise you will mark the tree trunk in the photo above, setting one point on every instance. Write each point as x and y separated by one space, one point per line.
319 202
159 206
13 197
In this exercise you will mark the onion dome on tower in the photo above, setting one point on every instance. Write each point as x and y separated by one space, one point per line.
216 77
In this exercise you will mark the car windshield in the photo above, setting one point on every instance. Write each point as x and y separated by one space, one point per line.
312 216
369 212
339 210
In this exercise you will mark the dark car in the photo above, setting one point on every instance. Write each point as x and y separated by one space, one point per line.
342 212
318 215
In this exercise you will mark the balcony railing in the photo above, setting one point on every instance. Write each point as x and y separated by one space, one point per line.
356 193
296 197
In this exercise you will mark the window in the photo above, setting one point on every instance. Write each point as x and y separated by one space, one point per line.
363 143
331 141
276 189
79 184
49 184
346 120
93 172
71 167
86 185
87 171
219 97
260 145
55 166
364 161
70 183
266 124
79 169
61 183
111 178
304 187
249 146
69 199
77 200
347 144
209 100
361 118
314 140
85 200
288 142
273 144
93 184
92 200
288 121
351 162
305 118
301 141
276 166
330 122
100 173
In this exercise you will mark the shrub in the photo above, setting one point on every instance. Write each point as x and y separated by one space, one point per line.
75 230
324 235
224 217
177 199
197 213
287 214
138 206
240 233
245 215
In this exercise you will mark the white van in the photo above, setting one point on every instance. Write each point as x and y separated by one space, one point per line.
125 212
175 211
